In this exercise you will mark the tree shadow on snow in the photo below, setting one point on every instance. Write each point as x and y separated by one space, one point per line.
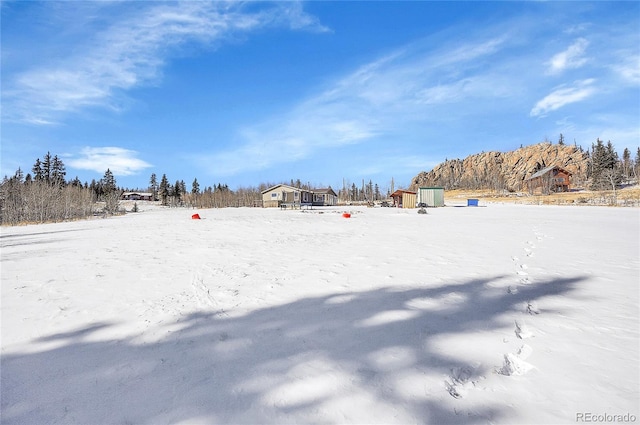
344 358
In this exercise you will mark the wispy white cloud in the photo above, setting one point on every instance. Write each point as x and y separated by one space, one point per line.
578 28
560 97
628 68
571 58
370 102
120 161
131 52
427 91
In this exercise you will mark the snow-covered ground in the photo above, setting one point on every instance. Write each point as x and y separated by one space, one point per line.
503 314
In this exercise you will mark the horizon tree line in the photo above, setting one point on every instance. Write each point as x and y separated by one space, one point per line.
45 195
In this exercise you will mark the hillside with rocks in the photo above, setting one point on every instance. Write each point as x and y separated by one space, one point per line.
504 170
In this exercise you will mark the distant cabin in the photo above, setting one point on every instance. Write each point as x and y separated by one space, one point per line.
282 195
550 179
404 199
137 196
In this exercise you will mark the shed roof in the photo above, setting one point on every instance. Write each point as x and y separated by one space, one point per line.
400 192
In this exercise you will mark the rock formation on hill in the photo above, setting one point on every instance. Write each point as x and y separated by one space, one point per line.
504 170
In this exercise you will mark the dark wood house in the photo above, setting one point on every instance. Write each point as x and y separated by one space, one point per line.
137 196
550 179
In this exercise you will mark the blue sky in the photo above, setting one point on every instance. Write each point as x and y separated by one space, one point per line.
244 93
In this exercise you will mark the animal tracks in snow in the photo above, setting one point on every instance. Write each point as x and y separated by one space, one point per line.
198 295
515 364
522 331
532 307
521 270
460 381
201 292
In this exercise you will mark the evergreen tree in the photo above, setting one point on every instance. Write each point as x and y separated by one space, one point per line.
58 171
605 171
177 191
614 171
19 175
47 167
37 170
612 156
598 164
626 163
195 187
110 192
153 186
108 183
95 188
164 189
561 140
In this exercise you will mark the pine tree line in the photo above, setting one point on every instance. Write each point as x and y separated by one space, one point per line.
45 196
221 196
607 170
366 193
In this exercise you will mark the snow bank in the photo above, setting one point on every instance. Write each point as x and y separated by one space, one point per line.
504 314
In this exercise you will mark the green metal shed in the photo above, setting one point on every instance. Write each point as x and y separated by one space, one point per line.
431 196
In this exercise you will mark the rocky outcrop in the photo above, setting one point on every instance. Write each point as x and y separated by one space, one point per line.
504 170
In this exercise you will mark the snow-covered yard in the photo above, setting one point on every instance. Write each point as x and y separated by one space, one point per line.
504 314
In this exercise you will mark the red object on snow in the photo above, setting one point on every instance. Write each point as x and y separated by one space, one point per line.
196 216
346 215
